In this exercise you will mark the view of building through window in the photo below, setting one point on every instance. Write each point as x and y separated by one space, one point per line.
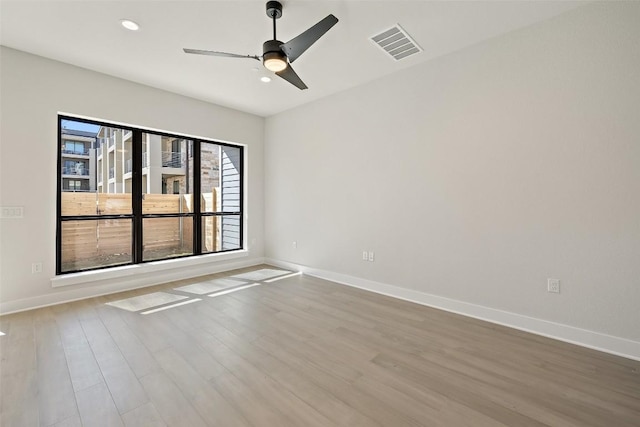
99 223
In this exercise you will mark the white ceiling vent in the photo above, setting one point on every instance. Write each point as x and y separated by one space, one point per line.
396 42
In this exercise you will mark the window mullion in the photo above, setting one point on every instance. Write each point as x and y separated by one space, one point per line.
136 195
59 201
197 198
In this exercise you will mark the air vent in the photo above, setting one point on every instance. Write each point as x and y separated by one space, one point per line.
397 43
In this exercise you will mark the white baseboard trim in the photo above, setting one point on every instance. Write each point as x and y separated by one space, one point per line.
126 282
582 337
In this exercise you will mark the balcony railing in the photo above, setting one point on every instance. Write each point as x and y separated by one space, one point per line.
75 190
145 160
171 159
76 152
128 166
75 171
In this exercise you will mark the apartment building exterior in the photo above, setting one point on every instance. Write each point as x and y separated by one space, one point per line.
78 160
167 163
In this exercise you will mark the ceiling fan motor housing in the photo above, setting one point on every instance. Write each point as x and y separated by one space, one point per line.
271 51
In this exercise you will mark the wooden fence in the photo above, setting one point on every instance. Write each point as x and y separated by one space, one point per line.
105 241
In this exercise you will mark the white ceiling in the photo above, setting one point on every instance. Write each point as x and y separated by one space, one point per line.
88 34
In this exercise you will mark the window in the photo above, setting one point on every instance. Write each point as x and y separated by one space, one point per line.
74 147
118 211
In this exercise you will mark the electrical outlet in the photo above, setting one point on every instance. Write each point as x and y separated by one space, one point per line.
371 256
365 255
553 286
294 245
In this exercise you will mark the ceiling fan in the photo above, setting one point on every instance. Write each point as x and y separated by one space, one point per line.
278 56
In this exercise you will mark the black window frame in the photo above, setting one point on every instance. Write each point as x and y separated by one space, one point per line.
137 216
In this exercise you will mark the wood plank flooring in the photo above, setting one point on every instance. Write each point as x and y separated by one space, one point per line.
299 351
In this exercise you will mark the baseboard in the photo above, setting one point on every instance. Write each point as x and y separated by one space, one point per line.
582 337
124 283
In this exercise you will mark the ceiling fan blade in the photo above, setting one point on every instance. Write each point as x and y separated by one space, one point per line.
225 54
289 75
296 47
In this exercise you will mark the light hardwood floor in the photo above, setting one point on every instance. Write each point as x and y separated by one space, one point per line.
296 352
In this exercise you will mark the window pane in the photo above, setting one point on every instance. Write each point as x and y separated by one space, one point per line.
167 175
114 171
91 244
167 237
230 232
209 176
96 169
230 179
221 233
210 234
77 160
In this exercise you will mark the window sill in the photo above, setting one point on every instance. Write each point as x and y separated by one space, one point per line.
130 271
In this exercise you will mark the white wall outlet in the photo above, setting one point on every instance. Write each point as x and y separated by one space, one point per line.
553 285
294 245
365 255
371 258
36 267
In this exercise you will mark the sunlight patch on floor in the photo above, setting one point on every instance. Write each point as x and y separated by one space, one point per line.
166 307
228 291
210 286
283 277
260 275
144 302
159 301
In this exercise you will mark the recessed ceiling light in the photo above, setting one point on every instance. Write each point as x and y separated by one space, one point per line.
130 25
265 79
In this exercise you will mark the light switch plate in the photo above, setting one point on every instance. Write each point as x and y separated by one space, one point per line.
11 212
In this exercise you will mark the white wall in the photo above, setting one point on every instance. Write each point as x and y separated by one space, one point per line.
479 175
33 91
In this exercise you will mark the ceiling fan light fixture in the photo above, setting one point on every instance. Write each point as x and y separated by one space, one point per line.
272 56
275 64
